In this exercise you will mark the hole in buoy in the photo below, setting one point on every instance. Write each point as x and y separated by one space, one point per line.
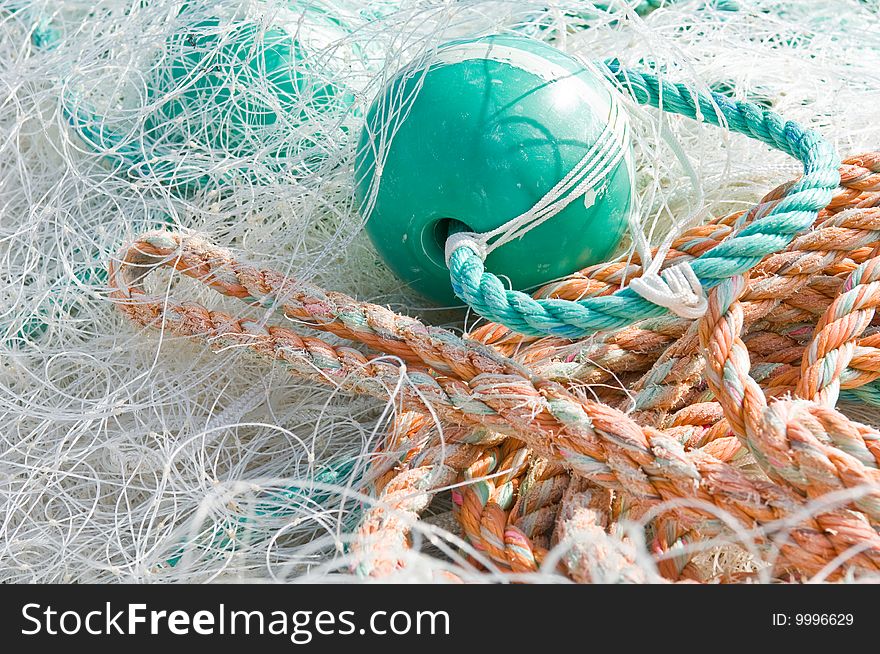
434 238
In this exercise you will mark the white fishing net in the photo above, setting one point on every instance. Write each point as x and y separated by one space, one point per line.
134 456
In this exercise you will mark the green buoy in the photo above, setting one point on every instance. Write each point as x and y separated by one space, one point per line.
476 135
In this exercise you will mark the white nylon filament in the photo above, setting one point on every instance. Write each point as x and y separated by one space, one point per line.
130 456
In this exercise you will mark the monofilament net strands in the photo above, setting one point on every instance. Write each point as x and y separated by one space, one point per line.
127 456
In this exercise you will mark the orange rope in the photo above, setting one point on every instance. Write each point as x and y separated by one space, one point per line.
671 452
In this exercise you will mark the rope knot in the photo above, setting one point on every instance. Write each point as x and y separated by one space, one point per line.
677 288
466 240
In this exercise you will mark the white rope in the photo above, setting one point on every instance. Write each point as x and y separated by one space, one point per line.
464 240
677 288
598 162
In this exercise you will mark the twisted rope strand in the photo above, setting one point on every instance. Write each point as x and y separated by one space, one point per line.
605 278
403 493
674 373
833 347
793 440
668 384
516 537
636 348
590 554
335 313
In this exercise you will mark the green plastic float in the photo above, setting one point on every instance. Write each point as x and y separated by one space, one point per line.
475 135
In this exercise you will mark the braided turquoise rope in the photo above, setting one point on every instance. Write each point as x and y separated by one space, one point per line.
794 213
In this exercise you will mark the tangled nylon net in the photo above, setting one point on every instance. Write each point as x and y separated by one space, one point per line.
128 457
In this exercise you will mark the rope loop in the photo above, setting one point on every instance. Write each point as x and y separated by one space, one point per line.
465 240
794 213
677 288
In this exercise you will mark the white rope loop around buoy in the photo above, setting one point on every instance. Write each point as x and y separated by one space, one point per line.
595 166
677 288
467 240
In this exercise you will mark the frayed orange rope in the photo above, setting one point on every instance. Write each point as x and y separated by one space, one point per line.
476 388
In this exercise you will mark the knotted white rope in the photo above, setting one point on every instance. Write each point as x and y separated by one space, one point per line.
677 288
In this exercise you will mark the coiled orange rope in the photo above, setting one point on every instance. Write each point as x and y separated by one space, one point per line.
564 443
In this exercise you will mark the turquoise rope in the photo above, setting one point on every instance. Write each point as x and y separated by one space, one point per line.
793 214
868 394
